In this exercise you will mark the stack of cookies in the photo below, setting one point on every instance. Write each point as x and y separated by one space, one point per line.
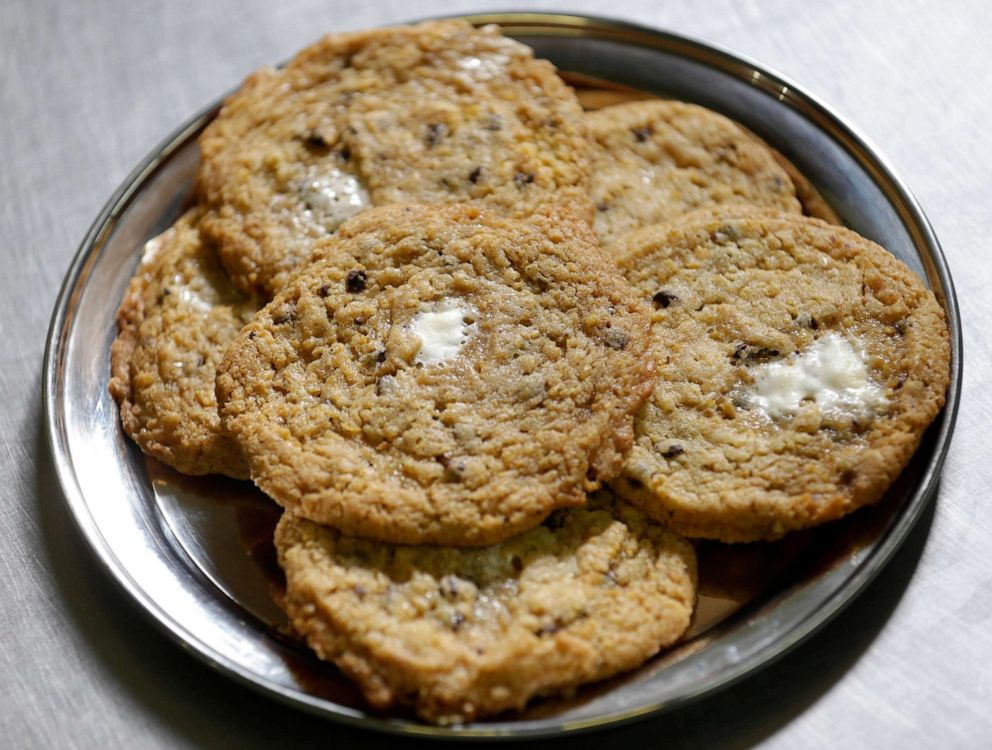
497 357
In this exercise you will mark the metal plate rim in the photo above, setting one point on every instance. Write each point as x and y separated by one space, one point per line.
89 249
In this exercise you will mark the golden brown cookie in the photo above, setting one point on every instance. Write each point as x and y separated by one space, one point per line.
655 160
441 375
434 113
465 633
798 365
178 316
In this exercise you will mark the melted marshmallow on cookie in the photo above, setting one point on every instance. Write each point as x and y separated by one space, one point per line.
443 330
831 372
333 197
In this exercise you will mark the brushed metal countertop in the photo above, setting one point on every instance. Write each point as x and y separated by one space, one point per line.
88 88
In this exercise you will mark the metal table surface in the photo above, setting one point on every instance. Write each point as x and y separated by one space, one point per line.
88 88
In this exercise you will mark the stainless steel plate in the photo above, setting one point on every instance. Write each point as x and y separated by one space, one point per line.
197 554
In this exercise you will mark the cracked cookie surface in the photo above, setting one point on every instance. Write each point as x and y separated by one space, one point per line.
655 160
464 633
798 365
434 113
441 374
177 318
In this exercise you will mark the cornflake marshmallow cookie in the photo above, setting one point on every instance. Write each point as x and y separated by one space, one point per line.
798 365
655 160
434 113
440 375
178 316
463 633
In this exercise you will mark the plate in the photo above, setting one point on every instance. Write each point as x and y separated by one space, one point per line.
197 555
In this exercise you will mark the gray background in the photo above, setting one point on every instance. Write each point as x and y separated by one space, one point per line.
88 88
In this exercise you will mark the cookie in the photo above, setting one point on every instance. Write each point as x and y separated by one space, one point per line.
434 113
463 633
798 365
177 318
441 375
655 160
